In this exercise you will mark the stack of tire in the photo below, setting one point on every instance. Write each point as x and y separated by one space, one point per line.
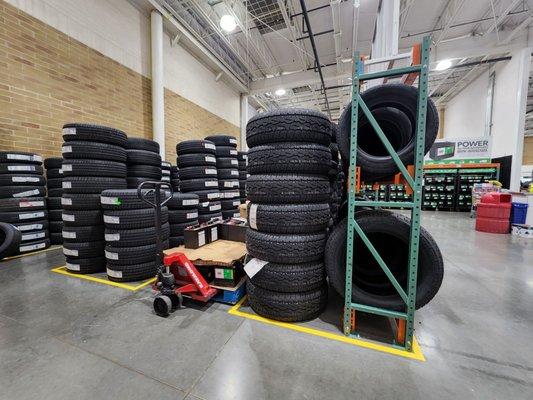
336 195
165 171
54 187
198 174
242 158
144 161
22 199
228 178
175 178
288 214
130 235
182 212
94 159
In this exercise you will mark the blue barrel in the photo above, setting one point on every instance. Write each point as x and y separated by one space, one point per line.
518 213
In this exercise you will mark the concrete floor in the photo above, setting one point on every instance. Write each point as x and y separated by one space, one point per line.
65 338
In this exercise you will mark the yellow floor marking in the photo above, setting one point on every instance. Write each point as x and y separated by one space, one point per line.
416 354
63 270
32 253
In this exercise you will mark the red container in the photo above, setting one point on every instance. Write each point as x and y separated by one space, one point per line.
492 225
496 197
497 210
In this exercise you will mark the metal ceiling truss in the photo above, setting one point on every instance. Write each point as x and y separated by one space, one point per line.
446 19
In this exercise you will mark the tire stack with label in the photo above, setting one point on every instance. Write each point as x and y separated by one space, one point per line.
165 171
130 234
289 192
228 178
94 159
175 178
182 212
144 161
22 198
54 183
197 165
242 157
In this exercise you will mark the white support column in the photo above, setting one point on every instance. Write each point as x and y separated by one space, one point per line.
244 120
158 88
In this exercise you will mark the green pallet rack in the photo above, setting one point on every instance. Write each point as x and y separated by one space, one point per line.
415 205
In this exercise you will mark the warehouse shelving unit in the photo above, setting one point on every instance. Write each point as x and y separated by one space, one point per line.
405 319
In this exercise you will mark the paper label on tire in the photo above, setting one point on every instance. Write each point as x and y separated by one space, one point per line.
31 215
231 184
27 193
165 172
236 215
209 146
25 179
69 235
67 167
210 171
253 266
215 207
234 162
231 195
31 227
191 202
68 217
236 203
115 201
210 183
32 247
210 159
235 172
112 237
24 204
252 216
66 202
26 168
73 267
69 131
213 195
18 157
192 215
114 274
233 141
67 185
111 220
214 234
70 252
66 149
111 256
233 152
33 236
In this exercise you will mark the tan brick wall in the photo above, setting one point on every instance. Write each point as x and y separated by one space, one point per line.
48 79
527 157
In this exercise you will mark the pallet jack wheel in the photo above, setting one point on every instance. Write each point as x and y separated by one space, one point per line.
162 305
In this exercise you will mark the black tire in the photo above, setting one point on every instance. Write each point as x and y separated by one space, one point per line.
195 160
20 157
53 163
198 173
83 233
291 278
143 157
55 215
242 156
102 168
53 203
33 235
145 171
175 183
228 173
93 133
84 249
82 217
131 273
34 245
286 188
53 173
195 147
287 307
243 175
135 237
208 217
207 195
228 184
83 201
86 265
231 213
230 204
288 125
129 255
243 165
133 183
289 218
91 184
135 143
23 216
307 158
389 233
55 226
94 151
193 185
177 229
226 151
55 192
22 180
54 183
227 162
125 199
32 225
133 219
11 168
285 248
223 140
23 204
183 200
175 241
208 207
182 216
10 238
18 192
56 238
402 100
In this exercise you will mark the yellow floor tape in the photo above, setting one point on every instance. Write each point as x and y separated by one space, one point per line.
416 354
31 253
63 270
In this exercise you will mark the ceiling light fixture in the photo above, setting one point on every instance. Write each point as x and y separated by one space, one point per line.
443 65
280 92
228 23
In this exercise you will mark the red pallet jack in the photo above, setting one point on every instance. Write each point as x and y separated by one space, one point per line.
176 274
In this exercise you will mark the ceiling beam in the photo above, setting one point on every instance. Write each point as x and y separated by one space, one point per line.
503 16
446 19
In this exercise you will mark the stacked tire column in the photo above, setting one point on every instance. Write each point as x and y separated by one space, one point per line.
144 161
228 178
182 212
165 171
288 214
54 183
22 198
130 234
94 159
198 174
242 157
